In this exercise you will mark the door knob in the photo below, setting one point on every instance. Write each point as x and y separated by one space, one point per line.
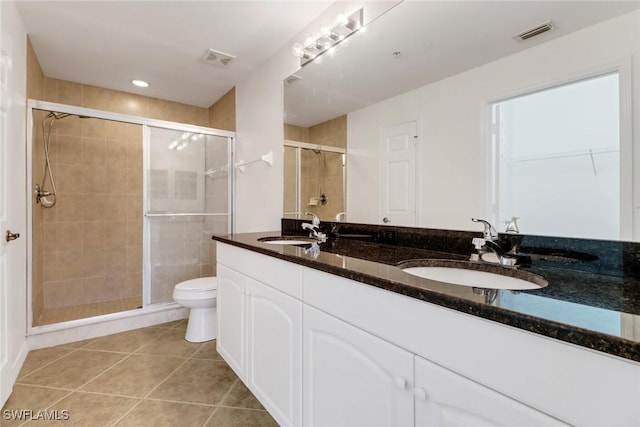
12 236
386 220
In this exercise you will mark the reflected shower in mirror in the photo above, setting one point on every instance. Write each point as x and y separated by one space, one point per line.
416 65
314 170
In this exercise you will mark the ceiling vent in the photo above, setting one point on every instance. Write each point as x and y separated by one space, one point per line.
291 80
532 32
219 59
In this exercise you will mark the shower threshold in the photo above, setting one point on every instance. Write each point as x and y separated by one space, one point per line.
81 311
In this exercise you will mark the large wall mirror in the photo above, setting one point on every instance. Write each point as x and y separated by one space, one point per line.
450 115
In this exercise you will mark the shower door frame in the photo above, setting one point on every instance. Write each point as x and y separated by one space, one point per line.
146 123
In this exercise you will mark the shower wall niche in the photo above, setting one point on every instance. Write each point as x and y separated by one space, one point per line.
87 247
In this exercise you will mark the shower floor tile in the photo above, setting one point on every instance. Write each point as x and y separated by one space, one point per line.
109 381
63 314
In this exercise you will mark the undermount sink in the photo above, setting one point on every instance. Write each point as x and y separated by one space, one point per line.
474 274
287 240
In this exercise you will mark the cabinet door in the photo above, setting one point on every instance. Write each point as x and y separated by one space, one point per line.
232 323
444 398
352 378
275 351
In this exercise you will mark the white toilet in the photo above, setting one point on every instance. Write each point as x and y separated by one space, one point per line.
200 296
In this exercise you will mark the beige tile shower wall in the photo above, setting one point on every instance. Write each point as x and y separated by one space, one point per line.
296 133
35 90
332 132
65 92
222 114
290 189
92 237
37 247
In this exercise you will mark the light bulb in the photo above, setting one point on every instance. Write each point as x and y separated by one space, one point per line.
342 19
297 50
139 83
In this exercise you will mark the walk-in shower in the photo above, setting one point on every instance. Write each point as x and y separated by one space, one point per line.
122 210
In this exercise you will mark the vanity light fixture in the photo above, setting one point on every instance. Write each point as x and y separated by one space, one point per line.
329 38
139 83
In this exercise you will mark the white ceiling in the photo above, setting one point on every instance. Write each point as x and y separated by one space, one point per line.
108 43
436 39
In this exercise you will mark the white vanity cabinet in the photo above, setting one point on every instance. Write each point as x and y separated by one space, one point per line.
321 350
353 378
260 337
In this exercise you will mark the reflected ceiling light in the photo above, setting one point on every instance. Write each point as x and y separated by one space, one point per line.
329 38
139 83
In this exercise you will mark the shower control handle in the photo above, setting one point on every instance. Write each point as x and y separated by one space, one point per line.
11 236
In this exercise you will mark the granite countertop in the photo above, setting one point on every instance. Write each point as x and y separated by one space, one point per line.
595 311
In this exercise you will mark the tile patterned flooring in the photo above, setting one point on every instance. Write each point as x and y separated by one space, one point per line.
144 377
62 314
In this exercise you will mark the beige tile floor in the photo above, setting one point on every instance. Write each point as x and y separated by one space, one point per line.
144 377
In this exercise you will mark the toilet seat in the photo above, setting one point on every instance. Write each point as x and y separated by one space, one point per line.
195 289
199 285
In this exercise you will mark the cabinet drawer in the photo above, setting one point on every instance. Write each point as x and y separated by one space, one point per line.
281 275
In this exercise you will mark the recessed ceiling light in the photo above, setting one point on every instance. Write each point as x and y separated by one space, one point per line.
140 83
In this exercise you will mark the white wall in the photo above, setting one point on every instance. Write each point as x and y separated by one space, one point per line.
260 126
452 115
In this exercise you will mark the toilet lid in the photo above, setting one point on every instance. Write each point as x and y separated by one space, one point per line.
199 284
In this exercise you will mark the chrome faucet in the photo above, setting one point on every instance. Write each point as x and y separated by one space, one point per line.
314 228
489 233
488 245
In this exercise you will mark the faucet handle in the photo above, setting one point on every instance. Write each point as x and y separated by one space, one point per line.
478 243
315 221
489 232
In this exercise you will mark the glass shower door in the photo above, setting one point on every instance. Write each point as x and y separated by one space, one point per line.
188 199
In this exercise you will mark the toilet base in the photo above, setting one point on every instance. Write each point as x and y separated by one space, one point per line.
203 325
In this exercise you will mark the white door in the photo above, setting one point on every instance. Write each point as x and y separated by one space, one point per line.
398 149
274 342
353 378
13 279
446 399
232 319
